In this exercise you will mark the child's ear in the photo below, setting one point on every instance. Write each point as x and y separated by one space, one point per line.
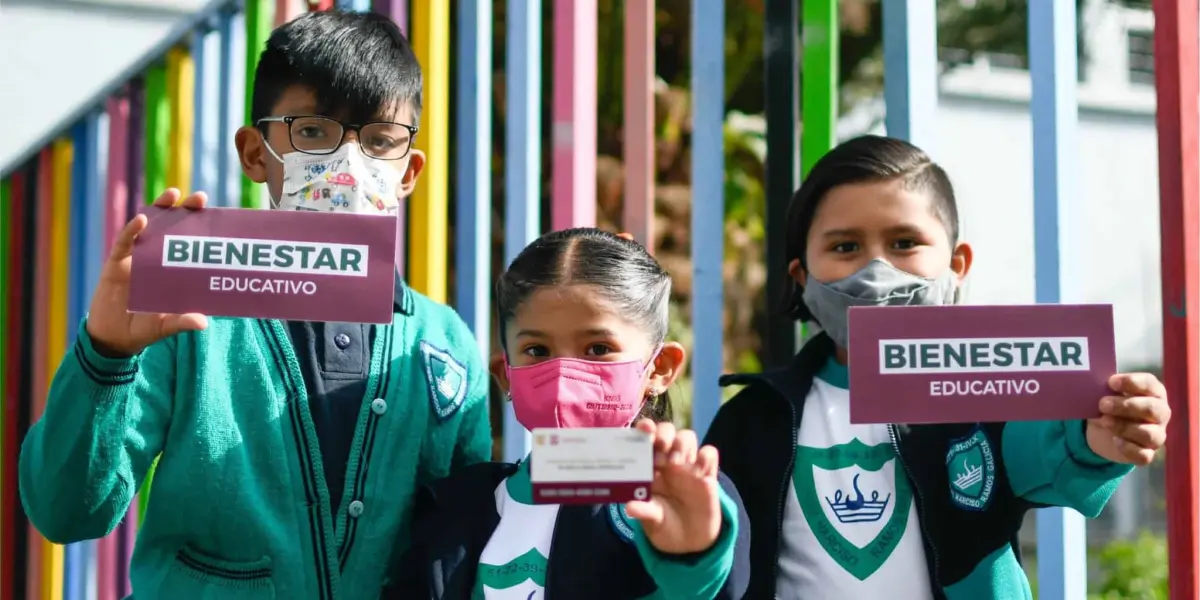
799 275
960 261
416 163
252 153
668 366
499 373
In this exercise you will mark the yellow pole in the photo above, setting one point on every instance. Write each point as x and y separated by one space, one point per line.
181 82
428 229
56 329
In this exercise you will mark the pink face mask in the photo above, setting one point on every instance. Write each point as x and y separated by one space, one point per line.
574 393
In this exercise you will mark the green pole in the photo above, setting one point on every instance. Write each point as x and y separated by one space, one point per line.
158 132
818 88
259 15
819 84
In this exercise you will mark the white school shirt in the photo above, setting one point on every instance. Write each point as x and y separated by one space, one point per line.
850 527
513 564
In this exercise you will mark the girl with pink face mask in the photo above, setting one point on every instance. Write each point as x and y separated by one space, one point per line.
583 324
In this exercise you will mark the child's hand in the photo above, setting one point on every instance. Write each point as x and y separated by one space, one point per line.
1134 425
683 514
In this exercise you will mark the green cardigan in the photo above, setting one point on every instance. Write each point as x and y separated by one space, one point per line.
240 508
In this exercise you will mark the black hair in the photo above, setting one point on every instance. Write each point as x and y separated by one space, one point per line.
359 65
865 159
621 270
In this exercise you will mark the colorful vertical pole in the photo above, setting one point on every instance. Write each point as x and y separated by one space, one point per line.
38 546
396 9
820 85
781 30
6 280
11 399
354 5
315 5
429 206
258 15
910 71
708 207
136 164
157 152
85 241
1175 57
56 329
181 95
205 57
639 122
286 10
229 99
157 131
473 229
116 200
523 157
573 134
1061 533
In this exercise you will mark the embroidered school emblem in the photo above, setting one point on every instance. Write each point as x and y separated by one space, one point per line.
971 464
839 493
619 520
446 379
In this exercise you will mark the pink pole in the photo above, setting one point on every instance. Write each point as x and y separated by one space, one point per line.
639 122
573 167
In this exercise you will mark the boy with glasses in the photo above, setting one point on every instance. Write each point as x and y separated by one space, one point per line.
290 451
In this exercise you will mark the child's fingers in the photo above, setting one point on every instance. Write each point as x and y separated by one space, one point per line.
195 201
664 440
707 461
1145 435
646 425
648 511
1137 384
168 198
1134 453
1146 409
683 452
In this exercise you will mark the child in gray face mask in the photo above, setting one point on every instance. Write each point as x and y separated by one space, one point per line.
866 511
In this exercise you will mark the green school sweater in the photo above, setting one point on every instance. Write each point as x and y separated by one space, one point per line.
239 508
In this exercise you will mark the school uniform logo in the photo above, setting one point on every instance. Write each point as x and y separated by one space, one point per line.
839 490
446 379
971 465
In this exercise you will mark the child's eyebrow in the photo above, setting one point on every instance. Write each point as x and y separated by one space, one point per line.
840 233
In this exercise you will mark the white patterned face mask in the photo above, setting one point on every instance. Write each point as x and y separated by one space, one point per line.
344 181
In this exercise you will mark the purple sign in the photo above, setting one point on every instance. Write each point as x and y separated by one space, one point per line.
308 266
967 364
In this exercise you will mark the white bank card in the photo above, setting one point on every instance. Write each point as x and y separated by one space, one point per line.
591 466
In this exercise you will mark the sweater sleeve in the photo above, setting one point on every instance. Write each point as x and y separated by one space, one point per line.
1050 463
722 572
104 423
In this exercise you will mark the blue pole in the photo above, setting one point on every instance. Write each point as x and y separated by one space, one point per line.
708 207
473 232
206 54
230 100
1061 533
910 71
354 5
523 151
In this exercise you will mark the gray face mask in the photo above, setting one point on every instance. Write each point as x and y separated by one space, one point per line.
876 284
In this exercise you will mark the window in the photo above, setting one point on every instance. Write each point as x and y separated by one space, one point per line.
1141 57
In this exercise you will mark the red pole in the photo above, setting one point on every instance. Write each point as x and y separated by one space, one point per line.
1178 86
315 5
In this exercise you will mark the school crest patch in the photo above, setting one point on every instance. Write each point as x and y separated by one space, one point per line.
619 520
446 379
971 465
856 500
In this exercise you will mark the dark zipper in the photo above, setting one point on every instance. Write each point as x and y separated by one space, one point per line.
783 492
937 586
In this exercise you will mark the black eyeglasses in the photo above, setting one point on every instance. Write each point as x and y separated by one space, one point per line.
322 135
